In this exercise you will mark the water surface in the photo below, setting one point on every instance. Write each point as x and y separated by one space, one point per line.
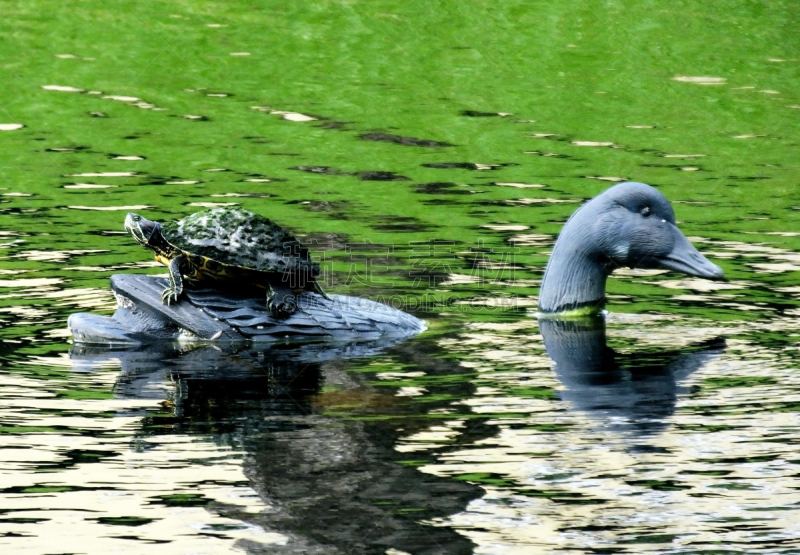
429 153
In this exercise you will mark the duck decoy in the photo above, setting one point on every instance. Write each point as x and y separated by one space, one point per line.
629 225
224 316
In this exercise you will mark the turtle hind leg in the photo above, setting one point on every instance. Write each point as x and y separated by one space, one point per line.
281 300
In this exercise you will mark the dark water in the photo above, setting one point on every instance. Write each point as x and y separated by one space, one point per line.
428 153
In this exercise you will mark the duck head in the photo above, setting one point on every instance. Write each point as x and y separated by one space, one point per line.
143 230
635 228
630 225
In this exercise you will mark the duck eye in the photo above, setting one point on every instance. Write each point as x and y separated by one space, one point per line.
645 211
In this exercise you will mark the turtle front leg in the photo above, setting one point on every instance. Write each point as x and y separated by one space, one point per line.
175 282
281 301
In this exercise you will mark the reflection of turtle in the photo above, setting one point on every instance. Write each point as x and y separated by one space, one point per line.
233 247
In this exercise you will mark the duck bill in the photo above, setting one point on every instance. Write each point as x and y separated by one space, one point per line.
685 258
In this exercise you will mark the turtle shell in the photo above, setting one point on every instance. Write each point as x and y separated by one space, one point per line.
237 237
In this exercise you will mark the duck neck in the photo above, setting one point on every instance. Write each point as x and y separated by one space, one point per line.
574 280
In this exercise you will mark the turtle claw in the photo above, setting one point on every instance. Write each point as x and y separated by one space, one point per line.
169 294
281 302
282 307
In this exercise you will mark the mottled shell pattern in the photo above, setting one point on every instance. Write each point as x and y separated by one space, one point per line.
237 237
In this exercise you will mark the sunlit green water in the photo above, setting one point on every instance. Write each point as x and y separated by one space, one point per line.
456 138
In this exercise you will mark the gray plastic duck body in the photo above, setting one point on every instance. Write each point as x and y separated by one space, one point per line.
223 316
629 225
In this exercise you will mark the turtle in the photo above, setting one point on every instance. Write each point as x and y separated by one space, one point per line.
230 247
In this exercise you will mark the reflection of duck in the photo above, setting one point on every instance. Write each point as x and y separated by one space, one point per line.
641 387
629 225
335 486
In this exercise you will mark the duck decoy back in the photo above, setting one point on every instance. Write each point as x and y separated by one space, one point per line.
629 225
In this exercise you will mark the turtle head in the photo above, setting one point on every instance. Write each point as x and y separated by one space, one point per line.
143 230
